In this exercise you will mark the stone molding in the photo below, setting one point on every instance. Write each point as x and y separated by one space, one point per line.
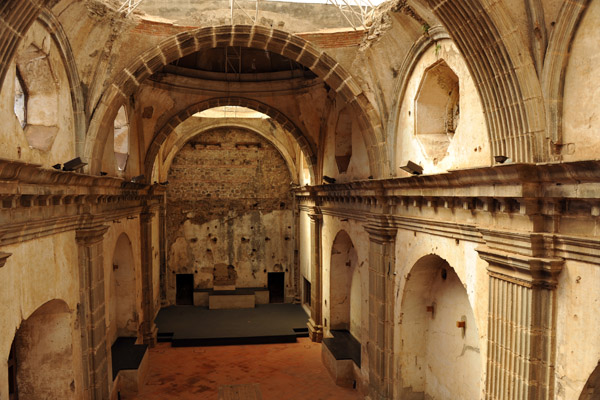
523 270
37 202
3 257
90 235
529 201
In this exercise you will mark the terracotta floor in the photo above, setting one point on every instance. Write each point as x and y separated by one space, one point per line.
291 371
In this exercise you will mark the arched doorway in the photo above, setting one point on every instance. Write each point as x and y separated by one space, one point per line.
345 287
123 318
591 390
41 360
438 333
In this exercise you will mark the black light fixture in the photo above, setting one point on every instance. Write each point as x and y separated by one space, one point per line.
102 173
74 164
500 159
412 168
138 179
328 179
57 166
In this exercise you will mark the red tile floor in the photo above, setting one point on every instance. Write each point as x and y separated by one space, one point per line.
290 371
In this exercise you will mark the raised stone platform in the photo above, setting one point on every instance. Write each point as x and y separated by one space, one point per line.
231 299
199 326
341 357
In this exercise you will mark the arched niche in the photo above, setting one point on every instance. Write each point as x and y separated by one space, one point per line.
438 334
123 318
42 354
591 390
345 287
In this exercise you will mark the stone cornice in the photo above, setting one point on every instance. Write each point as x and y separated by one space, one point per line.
533 212
37 202
565 180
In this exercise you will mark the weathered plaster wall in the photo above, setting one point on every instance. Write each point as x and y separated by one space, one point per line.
39 271
470 269
56 110
581 119
577 321
229 202
470 145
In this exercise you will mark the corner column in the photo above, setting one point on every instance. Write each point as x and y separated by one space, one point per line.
315 323
148 328
521 348
382 262
91 312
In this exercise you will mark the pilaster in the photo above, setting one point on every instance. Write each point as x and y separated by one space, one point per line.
148 328
92 313
382 239
315 322
522 318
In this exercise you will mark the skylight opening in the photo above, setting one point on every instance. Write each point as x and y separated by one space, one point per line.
231 112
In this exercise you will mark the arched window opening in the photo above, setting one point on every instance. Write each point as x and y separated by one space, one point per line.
231 112
121 138
36 101
20 105
437 110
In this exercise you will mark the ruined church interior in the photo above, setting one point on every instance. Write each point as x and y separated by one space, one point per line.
337 200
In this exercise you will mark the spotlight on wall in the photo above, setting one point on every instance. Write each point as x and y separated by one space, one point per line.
501 159
138 179
412 168
74 164
328 179
57 166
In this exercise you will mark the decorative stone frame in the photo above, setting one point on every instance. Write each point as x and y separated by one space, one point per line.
40 84
437 110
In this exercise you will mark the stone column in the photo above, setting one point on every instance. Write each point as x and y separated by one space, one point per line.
382 260
148 328
315 323
91 312
521 325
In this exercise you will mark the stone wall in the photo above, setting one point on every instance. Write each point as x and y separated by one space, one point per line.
229 202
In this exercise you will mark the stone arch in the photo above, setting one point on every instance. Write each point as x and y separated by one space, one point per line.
44 353
167 129
505 75
122 310
60 39
276 41
344 286
591 390
555 67
434 303
174 149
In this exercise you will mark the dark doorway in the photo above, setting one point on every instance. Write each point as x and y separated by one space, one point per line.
276 287
185 289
